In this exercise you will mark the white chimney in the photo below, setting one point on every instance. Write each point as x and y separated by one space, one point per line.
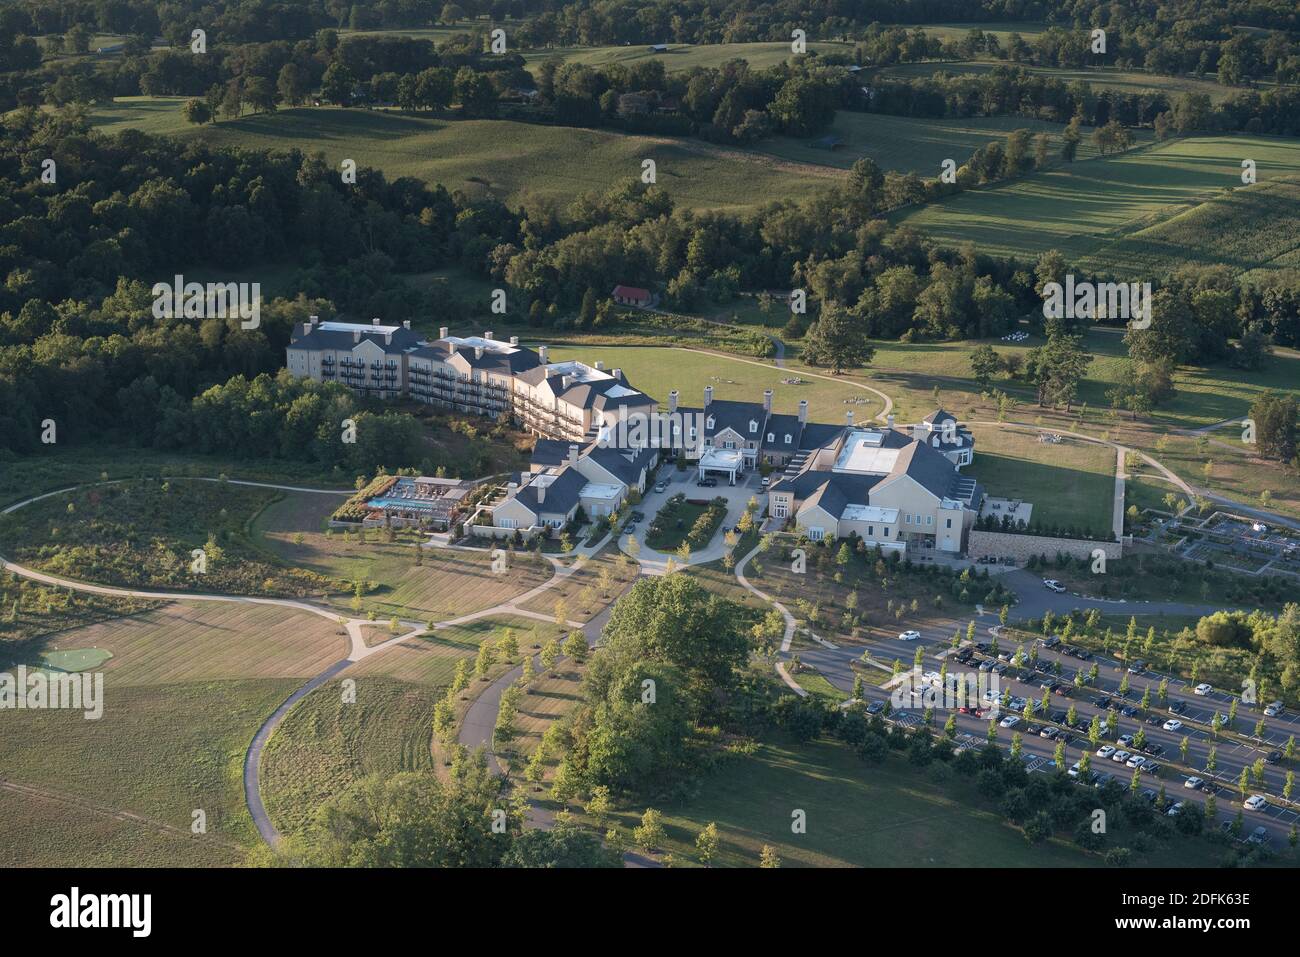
541 494
478 352
617 374
889 420
374 321
314 319
573 455
565 381
514 340
600 365
356 335
848 417
541 354
388 338
803 411
406 323
511 489
442 332
451 348
306 328
708 396
672 402
767 401
488 335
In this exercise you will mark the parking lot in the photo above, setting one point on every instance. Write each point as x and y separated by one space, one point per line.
1235 749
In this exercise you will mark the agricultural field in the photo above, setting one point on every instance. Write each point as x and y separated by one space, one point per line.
1070 483
325 744
467 154
447 583
185 689
908 144
1101 78
1254 230
684 56
1081 209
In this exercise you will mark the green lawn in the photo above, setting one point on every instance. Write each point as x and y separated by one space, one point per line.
858 815
657 370
1069 484
1080 209
501 157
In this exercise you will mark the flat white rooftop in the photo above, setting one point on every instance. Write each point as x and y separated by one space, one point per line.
601 491
578 371
862 453
721 459
478 342
356 326
869 513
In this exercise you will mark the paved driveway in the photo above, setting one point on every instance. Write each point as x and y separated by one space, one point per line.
748 485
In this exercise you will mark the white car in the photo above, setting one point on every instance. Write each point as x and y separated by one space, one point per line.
1105 751
1194 783
767 480
1175 810
909 636
1074 770
1124 740
1173 724
1051 584
1121 756
1202 689
1274 709
1136 761
1256 802
1010 721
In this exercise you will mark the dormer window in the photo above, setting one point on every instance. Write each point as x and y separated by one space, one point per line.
753 426
788 438
709 423
771 437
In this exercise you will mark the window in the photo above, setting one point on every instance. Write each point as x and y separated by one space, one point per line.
788 438
709 423
771 436
907 518
753 426
871 530
816 534
929 520
949 523
779 509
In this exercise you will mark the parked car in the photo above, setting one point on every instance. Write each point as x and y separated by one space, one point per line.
987 664
1194 783
1273 757
1173 724
1258 836
1074 770
1149 795
1153 749
661 486
1178 707
1256 802
1135 761
1175 810
1151 768
1010 721
706 483
1202 689
1274 709
909 635
1121 756
1052 642
1051 584
1050 733
1137 667
875 707
1124 740
1105 751
767 480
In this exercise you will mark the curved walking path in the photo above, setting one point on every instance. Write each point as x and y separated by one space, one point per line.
357 647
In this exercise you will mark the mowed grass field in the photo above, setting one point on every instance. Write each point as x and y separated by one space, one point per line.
501 157
1079 209
910 144
657 370
447 584
1070 484
858 815
186 688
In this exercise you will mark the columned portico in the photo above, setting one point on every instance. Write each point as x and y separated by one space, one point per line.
730 461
